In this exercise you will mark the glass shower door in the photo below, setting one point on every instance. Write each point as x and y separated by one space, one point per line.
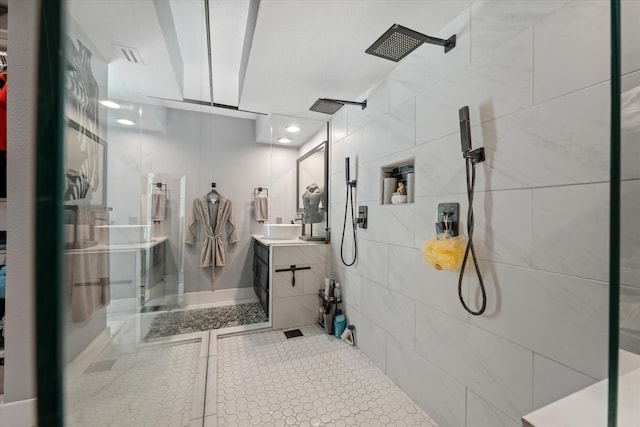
625 397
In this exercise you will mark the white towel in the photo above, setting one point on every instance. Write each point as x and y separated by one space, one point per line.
261 208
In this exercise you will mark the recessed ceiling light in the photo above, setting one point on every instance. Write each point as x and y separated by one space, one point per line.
284 140
126 122
109 104
293 129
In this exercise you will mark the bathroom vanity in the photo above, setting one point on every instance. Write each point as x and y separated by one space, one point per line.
289 273
135 270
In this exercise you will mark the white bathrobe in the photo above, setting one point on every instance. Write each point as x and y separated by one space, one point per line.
212 219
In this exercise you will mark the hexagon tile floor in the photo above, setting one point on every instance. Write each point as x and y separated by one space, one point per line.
148 388
267 380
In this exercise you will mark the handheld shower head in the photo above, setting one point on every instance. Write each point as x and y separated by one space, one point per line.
465 130
346 169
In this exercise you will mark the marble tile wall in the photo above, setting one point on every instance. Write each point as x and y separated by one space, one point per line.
535 76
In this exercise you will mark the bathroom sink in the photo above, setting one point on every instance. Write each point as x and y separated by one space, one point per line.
282 231
122 234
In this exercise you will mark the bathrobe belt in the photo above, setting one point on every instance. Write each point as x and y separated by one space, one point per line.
215 249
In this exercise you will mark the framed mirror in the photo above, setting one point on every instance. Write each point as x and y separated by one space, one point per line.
312 179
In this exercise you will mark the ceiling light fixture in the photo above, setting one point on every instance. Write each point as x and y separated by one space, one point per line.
292 129
126 122
109 104
284 140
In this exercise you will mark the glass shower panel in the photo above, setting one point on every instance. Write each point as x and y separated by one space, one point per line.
127 198
628 412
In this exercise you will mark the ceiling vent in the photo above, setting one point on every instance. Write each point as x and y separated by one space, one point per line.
130 54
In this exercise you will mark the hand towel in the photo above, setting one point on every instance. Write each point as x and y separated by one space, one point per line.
158 205
261 208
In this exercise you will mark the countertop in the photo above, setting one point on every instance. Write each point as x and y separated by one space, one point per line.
101 247
282 242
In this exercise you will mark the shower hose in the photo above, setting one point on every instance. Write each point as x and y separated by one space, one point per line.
470 166
344 227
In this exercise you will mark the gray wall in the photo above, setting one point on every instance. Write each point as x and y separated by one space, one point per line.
536 78
204 148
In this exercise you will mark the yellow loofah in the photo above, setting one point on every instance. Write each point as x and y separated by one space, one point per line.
444 252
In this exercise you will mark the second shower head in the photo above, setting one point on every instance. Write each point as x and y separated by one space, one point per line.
331 106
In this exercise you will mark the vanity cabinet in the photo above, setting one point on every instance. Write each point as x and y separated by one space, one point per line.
276 262
295 303
261 274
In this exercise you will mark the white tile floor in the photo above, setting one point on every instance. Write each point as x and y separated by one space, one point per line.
255 379
316 380
152 387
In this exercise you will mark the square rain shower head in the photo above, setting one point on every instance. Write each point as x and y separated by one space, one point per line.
331 106
326 106
398 42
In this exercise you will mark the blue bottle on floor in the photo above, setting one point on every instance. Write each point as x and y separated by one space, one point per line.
339 324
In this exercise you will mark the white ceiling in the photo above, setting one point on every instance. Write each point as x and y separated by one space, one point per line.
296 50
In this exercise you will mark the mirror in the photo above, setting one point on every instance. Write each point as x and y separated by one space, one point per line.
312 186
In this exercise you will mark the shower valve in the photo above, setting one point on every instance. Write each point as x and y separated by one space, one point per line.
363 212
448 214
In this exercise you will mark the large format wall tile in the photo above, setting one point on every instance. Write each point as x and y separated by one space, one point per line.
561 317
369 185
561 142
370 338
580 31
439 167
409 275
428 64
502 230
372 260
494 22
351 287
391 224
553 381
494 85
377 105
495 368
438 393
390 133
571 229
630 125
630 34
339 125
390 310
482 414
349 146
630 234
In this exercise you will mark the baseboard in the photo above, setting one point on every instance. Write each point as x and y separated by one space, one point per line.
222 295
19 414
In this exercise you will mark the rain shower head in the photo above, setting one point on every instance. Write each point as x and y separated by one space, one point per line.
398 41
331 106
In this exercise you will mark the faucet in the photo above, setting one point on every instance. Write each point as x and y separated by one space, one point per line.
301 223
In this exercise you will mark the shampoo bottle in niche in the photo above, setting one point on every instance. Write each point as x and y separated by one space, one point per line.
338 293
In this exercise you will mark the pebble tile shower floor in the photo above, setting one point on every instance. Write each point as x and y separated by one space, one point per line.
267 380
